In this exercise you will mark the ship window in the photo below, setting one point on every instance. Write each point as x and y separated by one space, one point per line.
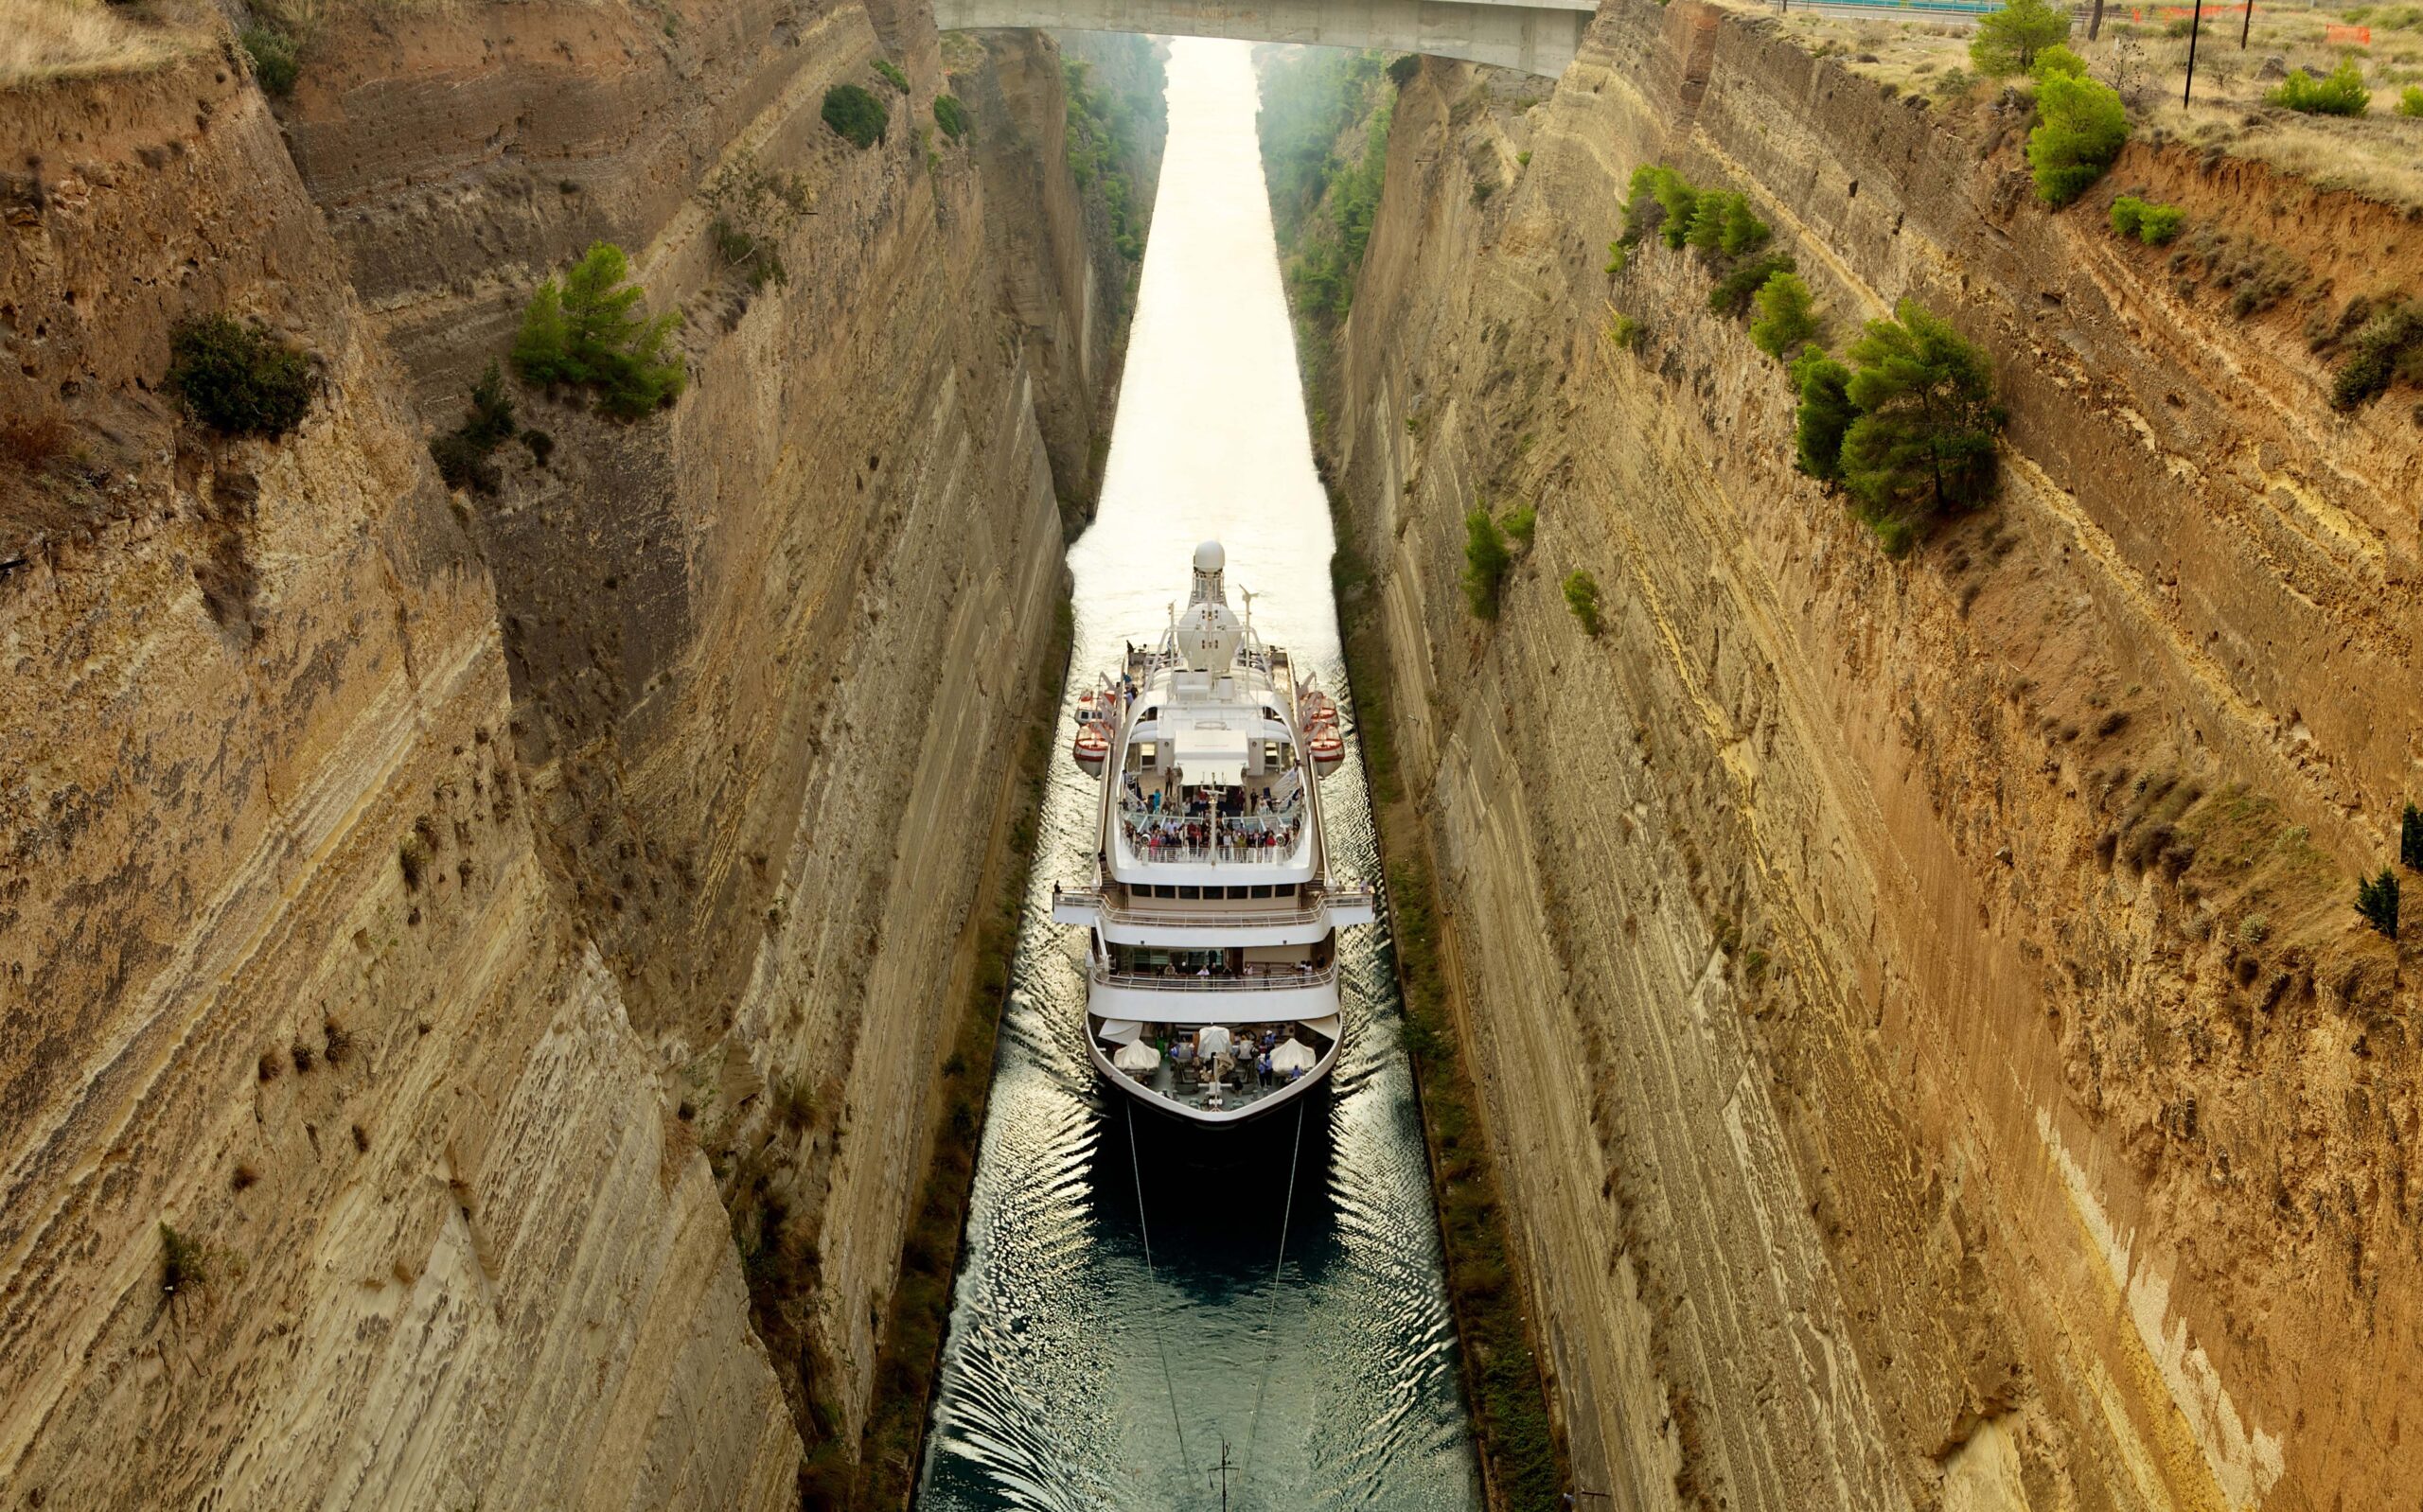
1145 751
1263 890
1195 893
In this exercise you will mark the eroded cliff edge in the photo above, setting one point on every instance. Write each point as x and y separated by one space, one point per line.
513 941
1925 1035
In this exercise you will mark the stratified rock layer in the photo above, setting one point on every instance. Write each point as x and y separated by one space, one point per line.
1927 1037
461 920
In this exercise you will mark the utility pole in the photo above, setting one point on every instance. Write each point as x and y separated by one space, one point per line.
1222 1470
2246 28
2194 25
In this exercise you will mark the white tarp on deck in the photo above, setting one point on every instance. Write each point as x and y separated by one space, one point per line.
1121 1031
1138 1057
1293 1055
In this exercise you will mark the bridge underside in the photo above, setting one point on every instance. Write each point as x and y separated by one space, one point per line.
1535 38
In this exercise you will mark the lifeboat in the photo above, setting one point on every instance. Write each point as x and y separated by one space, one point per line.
1319 707
1326 746
1092 746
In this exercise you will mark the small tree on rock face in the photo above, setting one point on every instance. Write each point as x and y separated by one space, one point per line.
238 378
2410 838
1582 597
2377 900
1486 563
2009 39
854 113
1787 317
2082 128
585 332
1824 416
1924 439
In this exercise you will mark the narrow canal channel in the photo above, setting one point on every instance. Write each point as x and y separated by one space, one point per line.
1076 1376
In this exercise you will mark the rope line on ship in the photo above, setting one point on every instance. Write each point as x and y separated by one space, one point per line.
1270 1314
1160 1341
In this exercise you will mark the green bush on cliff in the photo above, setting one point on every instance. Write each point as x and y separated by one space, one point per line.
857 115
238 378
1923 444
1582 597
1787 316
2081 129
1723 225
584 332
2410 838
2386 349
1100 144
950 115
2410 100
2377 901
1486 563
462 454
2153 224
2009 39
891 74
1732 293
274 63
2340 92
1824 415
2058 59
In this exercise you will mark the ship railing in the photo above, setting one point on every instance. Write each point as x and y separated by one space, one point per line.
1119 911
1255 980
1173 852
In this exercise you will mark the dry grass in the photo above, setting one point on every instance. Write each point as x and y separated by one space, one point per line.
2379 156
43 40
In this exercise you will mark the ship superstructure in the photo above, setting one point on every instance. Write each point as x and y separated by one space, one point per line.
1211 924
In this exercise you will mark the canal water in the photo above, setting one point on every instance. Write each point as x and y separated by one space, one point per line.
1291 1310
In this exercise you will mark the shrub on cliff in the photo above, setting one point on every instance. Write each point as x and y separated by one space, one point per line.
1787 316
2009 39
2058 59
463 454
2410 838
1732 293
2377 901
274 63
238 378
1403 67
1723 225
2081 129
1582 597
584 332
854 113
1486 563
950 115
1923 444
1662 200
891 74
2153 224
2387 347
2410 100
2340 92
1825 413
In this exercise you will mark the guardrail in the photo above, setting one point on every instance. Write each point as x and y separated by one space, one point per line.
1916 10
1154 981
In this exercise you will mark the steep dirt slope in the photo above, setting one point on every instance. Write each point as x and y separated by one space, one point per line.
487 885
1924 1027
444 1243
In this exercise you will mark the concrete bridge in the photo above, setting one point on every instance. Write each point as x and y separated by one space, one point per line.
1537 36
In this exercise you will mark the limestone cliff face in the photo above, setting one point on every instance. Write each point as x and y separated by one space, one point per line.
444 1243
698 728
1924 1027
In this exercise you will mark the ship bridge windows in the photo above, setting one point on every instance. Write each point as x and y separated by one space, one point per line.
1285 890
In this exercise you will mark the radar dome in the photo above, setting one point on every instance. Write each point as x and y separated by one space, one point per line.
1208 558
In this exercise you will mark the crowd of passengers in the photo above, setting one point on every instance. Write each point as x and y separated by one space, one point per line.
1244 1062
1232 818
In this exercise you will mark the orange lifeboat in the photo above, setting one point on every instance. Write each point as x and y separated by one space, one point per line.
1092 746
1319 707
1326 746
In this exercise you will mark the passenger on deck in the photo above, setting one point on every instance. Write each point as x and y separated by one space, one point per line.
1261 1069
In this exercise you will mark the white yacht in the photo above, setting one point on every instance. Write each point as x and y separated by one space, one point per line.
1211 924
